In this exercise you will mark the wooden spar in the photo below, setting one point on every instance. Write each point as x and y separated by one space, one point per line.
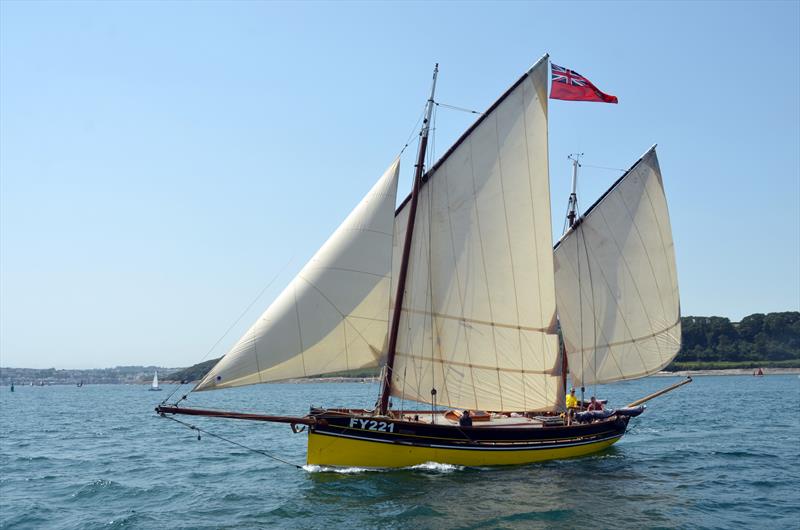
166 409
661 392
391 351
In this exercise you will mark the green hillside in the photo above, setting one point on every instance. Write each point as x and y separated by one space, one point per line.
193 373
772 339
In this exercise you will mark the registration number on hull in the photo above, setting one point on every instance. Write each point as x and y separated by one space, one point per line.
372 425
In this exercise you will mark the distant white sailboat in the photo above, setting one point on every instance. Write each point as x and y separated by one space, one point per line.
155 382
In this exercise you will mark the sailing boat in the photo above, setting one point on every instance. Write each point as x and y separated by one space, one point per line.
155 386
461 297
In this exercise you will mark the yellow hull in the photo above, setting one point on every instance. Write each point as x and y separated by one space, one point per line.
325 450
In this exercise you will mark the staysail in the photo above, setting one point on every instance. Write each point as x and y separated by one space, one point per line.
478 323
617 284
334 315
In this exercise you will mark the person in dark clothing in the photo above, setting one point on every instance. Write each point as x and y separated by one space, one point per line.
465 420
594 404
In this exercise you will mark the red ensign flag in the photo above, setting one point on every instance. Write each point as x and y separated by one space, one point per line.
572 86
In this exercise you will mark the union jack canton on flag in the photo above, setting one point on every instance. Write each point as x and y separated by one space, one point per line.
570 85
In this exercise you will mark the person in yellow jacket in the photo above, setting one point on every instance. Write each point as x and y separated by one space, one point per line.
572 401
572 406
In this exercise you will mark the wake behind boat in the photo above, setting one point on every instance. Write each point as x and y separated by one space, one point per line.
460 295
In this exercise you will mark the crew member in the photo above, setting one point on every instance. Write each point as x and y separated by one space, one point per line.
465 420
572 401
594 404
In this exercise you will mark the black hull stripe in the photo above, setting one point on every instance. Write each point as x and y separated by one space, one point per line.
430 435
472 447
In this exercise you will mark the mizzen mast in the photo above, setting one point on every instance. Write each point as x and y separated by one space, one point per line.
572 208
386 387
572 213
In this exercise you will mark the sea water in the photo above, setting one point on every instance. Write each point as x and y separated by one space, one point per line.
722 452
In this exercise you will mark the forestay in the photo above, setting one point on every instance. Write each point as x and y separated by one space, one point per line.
333 316
617 284
478 320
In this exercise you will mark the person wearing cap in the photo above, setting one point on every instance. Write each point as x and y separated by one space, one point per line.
465 420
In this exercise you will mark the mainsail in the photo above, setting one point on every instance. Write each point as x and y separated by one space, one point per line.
617 284
478 322
334 315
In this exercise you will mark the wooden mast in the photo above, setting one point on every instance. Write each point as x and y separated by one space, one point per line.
386 387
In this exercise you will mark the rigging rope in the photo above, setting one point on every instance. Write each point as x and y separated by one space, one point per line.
259 451
231 327
413 130
462 109
608 168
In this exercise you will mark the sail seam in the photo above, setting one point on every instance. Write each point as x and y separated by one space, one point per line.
458 282
594 307
479 366
345 317
481 322
647 254
567 316
670 263
483 261
508 241
635 284
299 331
543 104
639 339
358 229
342 269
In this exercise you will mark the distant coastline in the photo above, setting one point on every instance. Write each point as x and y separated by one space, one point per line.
375 380
710 346
727 371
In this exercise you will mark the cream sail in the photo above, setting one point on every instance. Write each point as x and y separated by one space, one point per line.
478 321
617 284
334 315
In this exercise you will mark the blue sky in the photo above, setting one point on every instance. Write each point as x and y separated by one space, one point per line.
160 163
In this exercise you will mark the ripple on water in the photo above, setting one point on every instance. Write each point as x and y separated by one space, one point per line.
133 470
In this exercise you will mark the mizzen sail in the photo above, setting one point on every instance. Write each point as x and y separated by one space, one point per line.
617 284
478 319
334 315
